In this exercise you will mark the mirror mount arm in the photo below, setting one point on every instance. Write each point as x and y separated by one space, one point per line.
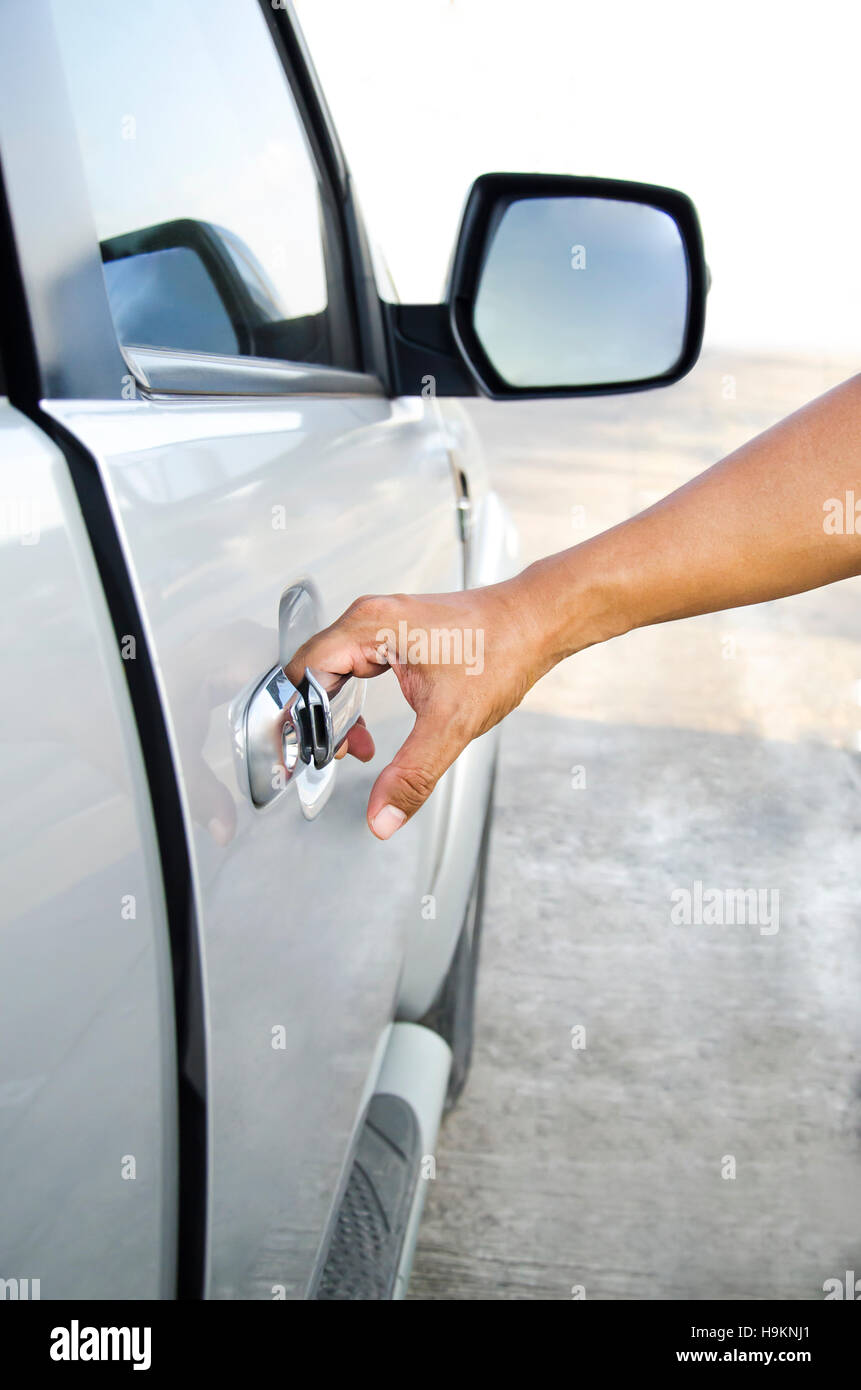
425 359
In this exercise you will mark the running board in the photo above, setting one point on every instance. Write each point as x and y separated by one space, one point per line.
375 1230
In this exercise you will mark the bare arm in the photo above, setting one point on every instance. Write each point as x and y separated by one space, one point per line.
754 527
749 529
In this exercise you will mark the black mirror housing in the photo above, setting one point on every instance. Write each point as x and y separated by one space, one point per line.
513 326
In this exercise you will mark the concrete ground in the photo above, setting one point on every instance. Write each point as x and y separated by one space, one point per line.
660 1110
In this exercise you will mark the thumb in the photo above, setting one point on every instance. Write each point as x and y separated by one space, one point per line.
405 785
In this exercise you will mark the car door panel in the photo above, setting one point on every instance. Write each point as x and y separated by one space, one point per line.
221 506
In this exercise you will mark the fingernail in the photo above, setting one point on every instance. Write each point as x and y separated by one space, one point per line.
387 821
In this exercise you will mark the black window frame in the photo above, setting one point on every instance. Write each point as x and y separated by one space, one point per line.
371 324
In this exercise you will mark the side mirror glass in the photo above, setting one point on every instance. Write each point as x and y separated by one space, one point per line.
565 286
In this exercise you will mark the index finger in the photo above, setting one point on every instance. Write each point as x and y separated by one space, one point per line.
339 651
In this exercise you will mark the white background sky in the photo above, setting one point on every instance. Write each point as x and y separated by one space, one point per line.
753 108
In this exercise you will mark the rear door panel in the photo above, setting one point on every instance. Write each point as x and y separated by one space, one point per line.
88 1105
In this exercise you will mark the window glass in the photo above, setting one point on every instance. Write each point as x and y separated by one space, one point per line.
207 201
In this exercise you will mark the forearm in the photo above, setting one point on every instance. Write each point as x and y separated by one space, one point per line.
747 530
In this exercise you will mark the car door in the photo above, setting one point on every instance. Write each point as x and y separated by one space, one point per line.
258 479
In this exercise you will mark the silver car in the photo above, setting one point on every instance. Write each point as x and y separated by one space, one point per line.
231 1019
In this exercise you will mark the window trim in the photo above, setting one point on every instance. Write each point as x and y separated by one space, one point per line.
171 372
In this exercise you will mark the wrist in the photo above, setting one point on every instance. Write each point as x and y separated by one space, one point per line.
575 599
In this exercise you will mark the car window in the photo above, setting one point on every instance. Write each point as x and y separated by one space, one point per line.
214 224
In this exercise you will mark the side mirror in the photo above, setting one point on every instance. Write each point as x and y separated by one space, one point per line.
564 286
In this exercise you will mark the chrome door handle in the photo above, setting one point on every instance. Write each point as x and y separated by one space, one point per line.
292 734
323 718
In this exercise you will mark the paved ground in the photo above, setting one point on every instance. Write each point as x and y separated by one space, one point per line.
722 750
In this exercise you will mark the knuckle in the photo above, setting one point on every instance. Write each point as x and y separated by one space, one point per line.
374 613
417 783
366 611
362 603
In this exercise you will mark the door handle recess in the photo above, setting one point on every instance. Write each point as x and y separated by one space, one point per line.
292 733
